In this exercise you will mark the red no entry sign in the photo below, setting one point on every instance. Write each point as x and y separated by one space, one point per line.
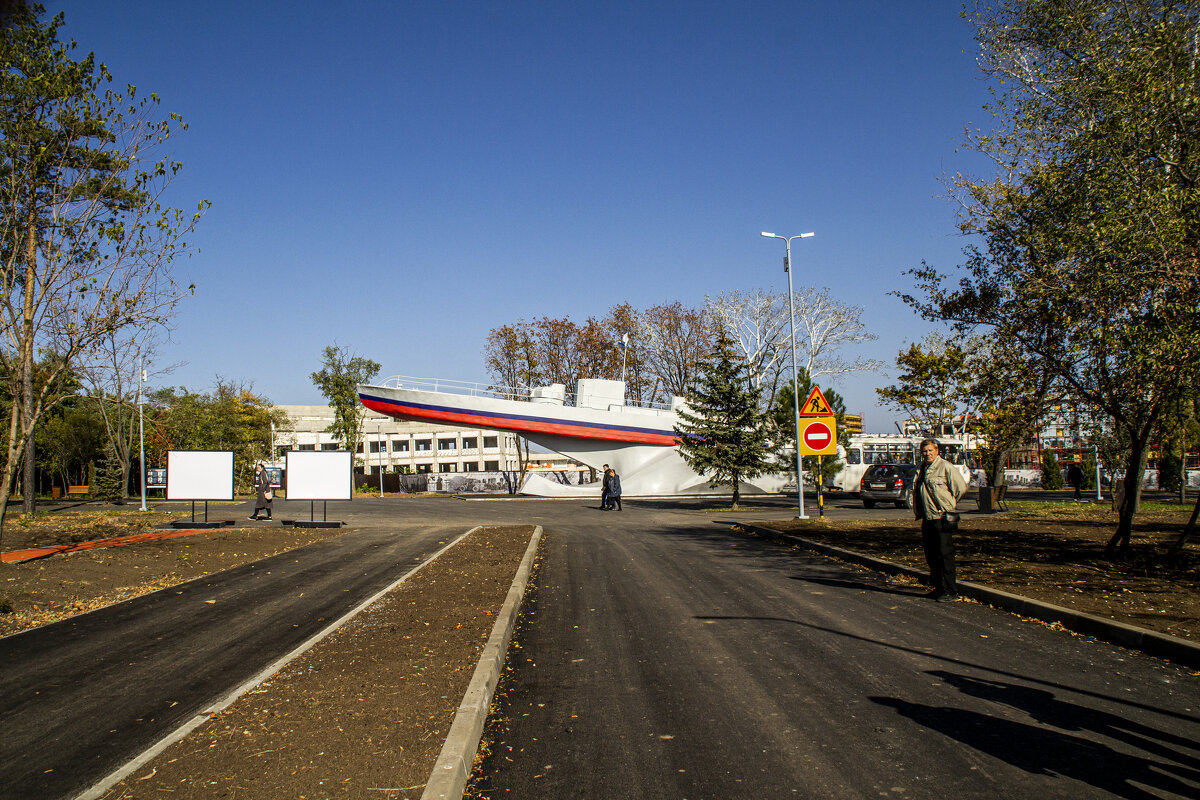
818 437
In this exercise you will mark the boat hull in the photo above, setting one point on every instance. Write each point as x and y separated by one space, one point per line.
640 444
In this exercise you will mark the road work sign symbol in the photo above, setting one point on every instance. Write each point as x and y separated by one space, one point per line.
816 405
818 437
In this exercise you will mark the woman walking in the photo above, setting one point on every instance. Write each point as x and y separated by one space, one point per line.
262 491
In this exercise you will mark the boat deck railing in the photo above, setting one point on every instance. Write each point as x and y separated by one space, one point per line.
490 390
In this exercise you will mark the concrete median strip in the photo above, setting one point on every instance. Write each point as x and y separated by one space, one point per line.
453 767
1152 643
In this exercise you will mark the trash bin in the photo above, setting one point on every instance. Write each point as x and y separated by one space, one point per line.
55 493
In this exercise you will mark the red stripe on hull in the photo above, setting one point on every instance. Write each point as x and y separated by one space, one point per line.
522 425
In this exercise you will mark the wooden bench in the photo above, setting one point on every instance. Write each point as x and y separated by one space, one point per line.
999 498
76 490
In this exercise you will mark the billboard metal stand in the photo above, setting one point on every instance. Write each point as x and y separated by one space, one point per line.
195 523
313 522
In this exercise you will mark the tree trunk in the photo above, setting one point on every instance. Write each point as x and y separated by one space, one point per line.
1177 547
29 478
737 494
1118 545
29 487
996 478
9 467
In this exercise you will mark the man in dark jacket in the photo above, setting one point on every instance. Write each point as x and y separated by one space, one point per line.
1075 479
614 490
604 488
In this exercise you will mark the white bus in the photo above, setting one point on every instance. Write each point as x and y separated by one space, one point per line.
892 448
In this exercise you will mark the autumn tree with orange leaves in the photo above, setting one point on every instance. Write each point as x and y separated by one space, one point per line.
659 351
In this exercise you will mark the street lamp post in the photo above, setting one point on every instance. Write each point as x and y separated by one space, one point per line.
624 353
787 267
381 445
141 430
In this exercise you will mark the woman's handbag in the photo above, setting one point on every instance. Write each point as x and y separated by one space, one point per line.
269 495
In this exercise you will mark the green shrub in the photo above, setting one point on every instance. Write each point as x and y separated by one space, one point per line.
1052 477
1168 471
1089 473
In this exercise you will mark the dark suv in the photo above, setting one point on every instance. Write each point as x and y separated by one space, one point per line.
884 483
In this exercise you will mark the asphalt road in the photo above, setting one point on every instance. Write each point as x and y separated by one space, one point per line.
662 656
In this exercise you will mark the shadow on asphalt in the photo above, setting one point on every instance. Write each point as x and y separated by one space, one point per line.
1045 708
961 663
1040 751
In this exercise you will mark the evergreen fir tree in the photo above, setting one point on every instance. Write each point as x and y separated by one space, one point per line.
109 483
1052 477
725 435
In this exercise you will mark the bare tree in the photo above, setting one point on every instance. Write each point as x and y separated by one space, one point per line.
110 374
677 342
511 358
757 321
823 326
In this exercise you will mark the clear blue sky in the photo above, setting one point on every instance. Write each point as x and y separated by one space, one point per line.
401 177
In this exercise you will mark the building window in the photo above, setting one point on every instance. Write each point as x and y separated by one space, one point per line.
329 445
491 466
306 447
424 445
470 466
359 449
491 441
376 446
447 468
447 444
469 443
424 469
399 446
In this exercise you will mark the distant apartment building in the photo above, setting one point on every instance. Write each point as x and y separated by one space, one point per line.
1065 431
396 446
854 424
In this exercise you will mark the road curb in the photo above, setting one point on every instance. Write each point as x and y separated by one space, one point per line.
1160 645
453 767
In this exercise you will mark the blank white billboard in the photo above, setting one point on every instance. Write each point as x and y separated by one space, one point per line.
200 475
319 475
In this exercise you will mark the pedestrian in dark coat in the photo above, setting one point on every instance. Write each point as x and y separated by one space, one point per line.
262 491
604 488
614 490
1075 478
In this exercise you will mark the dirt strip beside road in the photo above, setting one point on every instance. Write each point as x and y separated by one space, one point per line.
365 712
36 593
18 556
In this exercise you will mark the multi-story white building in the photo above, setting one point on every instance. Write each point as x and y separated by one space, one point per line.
396 446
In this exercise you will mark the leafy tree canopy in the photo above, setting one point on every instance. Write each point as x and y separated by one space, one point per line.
341 372
1089 230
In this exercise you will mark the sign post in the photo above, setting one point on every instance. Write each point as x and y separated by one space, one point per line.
817 425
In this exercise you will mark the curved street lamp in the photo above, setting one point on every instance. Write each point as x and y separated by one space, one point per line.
787 267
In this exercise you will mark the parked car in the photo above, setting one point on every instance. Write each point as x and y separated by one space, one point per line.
884 483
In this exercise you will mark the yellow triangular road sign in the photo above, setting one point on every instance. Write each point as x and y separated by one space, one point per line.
816 405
